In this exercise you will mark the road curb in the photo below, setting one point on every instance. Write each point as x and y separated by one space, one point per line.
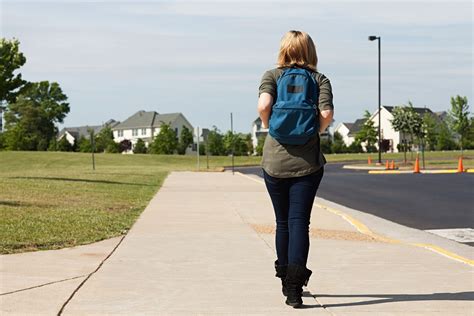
364 229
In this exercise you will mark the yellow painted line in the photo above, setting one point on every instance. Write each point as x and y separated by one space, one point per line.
470 170
388 171
438 171
362 228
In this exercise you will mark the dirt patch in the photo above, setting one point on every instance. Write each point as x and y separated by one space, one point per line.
321 233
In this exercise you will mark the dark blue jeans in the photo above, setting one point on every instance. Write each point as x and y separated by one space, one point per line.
292 200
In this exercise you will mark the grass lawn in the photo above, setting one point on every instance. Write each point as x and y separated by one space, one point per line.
433 159
51 200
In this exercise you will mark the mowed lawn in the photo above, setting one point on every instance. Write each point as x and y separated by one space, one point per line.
51 200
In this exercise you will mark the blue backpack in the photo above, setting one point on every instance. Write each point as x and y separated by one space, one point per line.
295 115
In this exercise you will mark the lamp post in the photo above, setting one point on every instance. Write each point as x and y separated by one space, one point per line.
373 38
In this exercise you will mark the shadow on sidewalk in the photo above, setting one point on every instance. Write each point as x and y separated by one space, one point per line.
389 298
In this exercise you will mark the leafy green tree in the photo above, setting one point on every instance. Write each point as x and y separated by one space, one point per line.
459 118
185 139
326 145
104 141
112 148
469 144
445 139
11 59
84 145
140 147
368 133
407 122
260 142
64 145
355 147
338 145
215 142
430 127
30 120
165 142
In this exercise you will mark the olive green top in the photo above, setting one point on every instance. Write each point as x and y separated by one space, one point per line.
286 161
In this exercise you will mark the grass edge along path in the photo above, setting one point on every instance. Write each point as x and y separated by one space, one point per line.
52 200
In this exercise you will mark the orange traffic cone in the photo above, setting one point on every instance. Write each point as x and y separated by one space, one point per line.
460 166
369 161
417 165
392 165
386 165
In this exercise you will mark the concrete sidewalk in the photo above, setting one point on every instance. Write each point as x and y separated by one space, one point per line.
205 246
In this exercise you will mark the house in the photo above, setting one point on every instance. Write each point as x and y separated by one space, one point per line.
387 133
259 131
73 134
145 125
389 136
348 131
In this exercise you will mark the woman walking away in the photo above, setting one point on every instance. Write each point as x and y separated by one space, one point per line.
295 104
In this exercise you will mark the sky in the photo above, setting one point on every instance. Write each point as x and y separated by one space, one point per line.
206 58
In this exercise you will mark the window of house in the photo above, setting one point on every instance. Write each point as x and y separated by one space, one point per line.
120 133
135 132
143 131
176 130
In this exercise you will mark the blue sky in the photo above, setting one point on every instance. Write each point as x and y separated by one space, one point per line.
206 59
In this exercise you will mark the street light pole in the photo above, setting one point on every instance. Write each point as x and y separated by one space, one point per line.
373 38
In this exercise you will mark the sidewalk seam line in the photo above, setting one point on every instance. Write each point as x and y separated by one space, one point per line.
365 230
41 285
90 274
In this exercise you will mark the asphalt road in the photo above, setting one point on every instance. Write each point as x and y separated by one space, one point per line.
422 201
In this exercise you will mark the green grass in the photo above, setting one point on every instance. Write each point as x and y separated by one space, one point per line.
433 159
51 200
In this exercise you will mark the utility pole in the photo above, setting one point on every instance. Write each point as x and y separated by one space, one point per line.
232 135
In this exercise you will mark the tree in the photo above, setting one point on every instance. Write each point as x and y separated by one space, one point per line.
11 59
165 142
430 128
215 142
338 145
326 145
469 135
30 120
84 145
445 138
368 133
140 147
125 145
459 118
408 122
64 144
104 140
185 139
260 143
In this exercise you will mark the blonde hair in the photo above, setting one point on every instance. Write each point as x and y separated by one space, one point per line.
297 49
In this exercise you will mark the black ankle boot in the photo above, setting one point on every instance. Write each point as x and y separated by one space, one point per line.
296 277
281 273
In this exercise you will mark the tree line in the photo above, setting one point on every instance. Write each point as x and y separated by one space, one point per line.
425 132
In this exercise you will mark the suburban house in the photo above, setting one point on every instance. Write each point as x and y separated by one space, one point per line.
146 125
348 131
259 131
73 134
388 134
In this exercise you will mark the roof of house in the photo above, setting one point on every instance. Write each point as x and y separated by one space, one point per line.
143 119
417 110
356 126
79 131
